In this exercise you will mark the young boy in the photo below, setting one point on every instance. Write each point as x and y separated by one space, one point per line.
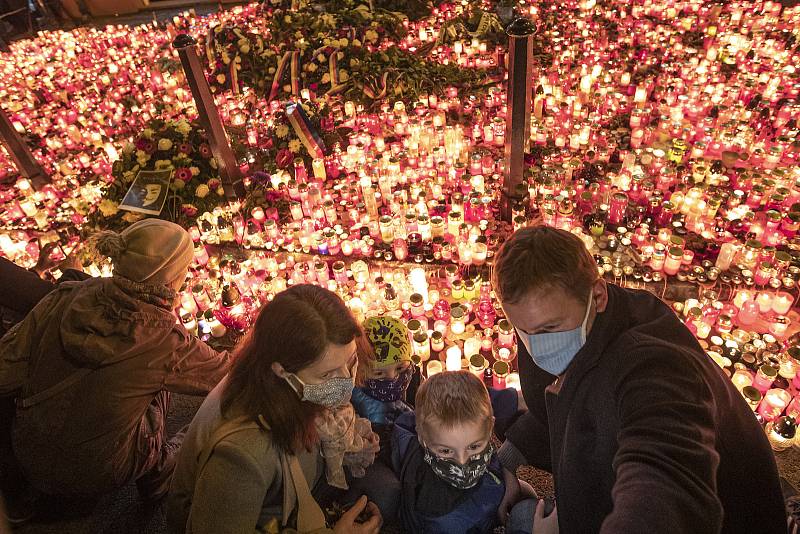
450 477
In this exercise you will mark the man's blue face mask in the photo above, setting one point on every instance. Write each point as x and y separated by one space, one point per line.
554 351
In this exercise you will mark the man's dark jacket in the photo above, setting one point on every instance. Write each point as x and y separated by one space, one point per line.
644 433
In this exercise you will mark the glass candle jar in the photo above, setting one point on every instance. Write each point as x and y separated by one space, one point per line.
414 326
296 210
390 299
617 209
360 271
775 401
742 378
790 363
748 314
781 433
454 220
434 367
437 341
188 303
779 325
189 323
470 290
782 303
658 258
764 378
437 226
457 288
764 301
340 272
750 254
387 229
472 346
457 320
216 328
417 305
504 354
752 396
673 261
505 333
500 372
477 365
422 346
727 253
201 297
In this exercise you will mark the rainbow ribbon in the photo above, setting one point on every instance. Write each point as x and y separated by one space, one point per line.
302 127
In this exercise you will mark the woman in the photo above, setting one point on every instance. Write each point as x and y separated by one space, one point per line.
277 426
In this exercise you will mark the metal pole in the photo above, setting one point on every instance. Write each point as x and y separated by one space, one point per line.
518 118
209 117
20 153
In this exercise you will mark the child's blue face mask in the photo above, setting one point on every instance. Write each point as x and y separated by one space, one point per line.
554 351
389 389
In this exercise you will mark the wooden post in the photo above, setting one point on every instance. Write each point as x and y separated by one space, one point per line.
21 153
209 117
518 118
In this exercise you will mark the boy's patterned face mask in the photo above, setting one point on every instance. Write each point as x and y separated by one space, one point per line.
460 476
389 389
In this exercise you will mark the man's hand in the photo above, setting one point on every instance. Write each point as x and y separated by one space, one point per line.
542 524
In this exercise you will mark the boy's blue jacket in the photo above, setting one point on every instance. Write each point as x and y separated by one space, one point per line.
475 514
378 412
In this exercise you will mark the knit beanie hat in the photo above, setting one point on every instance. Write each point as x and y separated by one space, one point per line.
151 251
390 339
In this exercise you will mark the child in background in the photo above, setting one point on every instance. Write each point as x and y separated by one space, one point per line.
388 375
451 480
388 372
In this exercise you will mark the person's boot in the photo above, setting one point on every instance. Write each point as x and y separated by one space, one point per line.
154 485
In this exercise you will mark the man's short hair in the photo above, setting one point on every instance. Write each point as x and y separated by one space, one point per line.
450 399
542 257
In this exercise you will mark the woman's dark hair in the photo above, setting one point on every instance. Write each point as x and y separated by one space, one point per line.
294 330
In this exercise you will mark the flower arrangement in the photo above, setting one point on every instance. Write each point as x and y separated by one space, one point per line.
475 21
331 64
237 59
277 146
177 145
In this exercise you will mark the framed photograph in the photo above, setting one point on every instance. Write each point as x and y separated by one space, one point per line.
148 192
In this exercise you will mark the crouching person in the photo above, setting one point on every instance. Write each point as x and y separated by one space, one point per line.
92 367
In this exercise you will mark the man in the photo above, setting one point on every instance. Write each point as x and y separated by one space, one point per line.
91 369
640 428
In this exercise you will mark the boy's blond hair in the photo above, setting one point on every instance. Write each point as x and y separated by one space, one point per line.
450 399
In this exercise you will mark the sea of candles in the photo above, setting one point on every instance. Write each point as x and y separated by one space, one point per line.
664 134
